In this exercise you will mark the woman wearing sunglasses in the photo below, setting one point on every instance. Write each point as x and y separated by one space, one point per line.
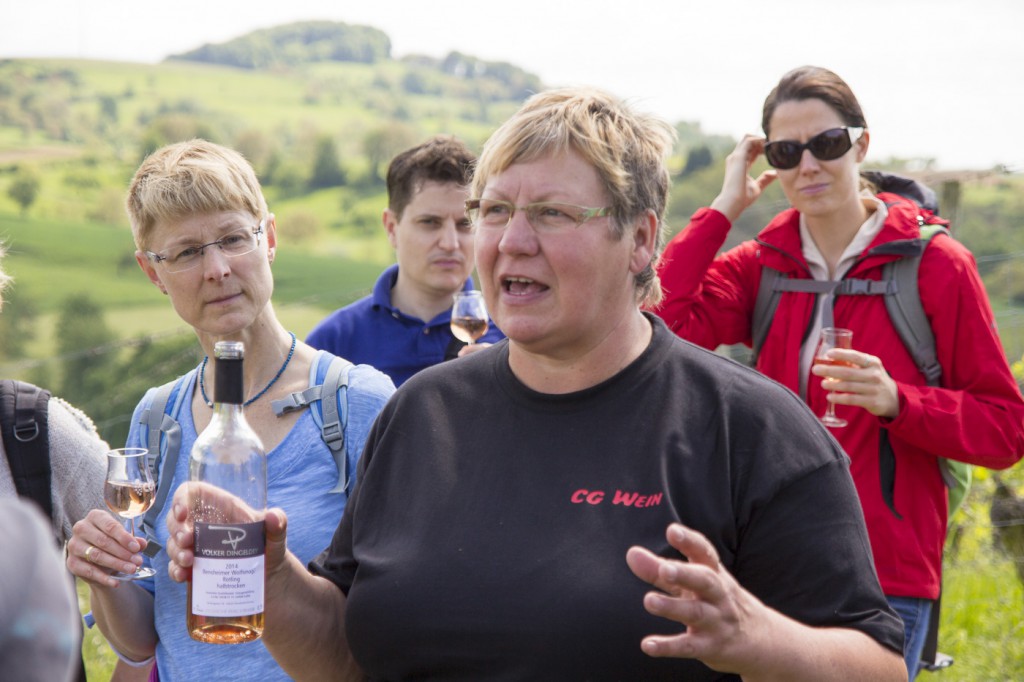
837 227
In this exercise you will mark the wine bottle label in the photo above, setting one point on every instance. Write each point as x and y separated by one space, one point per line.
227 575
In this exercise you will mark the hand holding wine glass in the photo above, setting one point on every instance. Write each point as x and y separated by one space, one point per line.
469 316
129 491
833 337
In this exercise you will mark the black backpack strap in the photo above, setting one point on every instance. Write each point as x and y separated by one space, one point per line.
24 414
24 423
159 422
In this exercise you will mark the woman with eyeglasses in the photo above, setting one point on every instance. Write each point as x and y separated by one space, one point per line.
585 500
205 238
815 138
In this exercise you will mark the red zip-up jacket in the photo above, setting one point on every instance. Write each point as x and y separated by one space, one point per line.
976 416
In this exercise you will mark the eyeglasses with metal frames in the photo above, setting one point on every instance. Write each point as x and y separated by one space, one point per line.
825 146
236 243
544 216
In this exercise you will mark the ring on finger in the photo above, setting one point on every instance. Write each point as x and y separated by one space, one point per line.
88 553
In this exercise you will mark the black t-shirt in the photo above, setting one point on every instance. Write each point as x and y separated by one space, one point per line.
488 533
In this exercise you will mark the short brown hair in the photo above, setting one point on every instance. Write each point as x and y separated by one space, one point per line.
442 159
628 150
814 82
189 178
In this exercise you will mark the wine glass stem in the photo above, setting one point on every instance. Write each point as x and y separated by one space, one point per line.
830 409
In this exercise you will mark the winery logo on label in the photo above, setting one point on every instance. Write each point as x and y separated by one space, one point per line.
220 541
232 540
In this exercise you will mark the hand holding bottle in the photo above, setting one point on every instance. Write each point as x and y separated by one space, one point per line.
181 536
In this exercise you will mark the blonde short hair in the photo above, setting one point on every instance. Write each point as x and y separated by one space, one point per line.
628 150
191 178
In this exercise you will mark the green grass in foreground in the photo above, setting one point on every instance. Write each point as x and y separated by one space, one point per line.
981 625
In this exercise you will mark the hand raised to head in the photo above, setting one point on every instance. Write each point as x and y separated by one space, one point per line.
739 189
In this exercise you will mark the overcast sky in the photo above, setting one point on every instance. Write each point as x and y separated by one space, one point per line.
936 78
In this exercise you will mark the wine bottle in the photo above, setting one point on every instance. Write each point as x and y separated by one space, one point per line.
225 595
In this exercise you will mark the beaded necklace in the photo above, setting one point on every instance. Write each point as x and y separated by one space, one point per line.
250 401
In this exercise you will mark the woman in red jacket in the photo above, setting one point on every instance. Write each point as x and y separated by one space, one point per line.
815 138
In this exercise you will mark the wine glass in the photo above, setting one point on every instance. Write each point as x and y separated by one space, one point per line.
469 316
832 337
129 491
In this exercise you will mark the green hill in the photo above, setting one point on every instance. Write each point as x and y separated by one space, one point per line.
319 108
319 121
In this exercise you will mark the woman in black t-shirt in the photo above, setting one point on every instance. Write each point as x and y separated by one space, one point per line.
509 501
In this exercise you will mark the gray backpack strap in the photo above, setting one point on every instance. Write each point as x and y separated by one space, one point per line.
911 322
764 310
334 413
158 422
907 313
335 416
773 284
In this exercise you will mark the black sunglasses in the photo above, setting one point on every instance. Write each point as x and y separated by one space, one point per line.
826 146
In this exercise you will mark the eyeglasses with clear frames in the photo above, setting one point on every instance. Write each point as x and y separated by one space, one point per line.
544 216
236 243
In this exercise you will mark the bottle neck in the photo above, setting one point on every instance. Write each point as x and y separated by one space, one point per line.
228 389
227 411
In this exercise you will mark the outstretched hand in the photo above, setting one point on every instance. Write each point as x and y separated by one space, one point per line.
730 630
739 189
724 622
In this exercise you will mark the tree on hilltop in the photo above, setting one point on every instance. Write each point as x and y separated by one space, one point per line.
298 43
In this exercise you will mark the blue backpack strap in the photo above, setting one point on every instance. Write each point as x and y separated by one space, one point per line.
330 415
335 418
160 419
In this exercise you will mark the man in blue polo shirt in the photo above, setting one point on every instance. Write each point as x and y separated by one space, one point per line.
403 326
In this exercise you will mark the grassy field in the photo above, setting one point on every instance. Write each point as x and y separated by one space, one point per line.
983 599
